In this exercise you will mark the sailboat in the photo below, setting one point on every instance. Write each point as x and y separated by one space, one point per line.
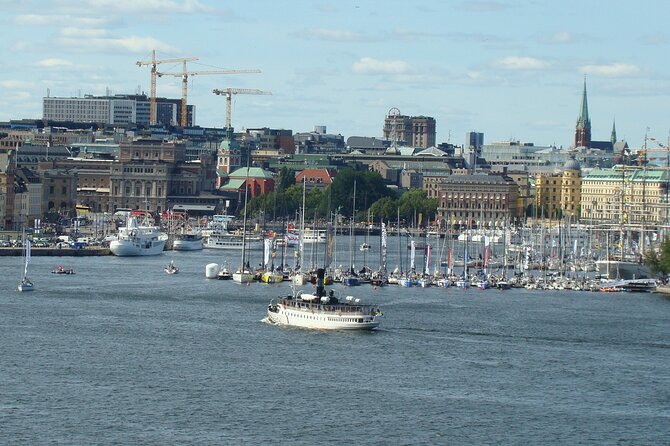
299 277
243 273
26 284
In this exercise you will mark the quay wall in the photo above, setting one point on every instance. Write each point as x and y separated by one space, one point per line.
55 252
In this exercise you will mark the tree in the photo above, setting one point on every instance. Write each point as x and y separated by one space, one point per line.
286 179
659 262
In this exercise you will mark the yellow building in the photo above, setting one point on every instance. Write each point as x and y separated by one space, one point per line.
548 195
571 188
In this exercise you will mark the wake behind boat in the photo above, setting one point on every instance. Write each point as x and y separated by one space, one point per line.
321 311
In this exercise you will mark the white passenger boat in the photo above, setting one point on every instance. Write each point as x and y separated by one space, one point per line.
188 241
138 240
323 311
230 240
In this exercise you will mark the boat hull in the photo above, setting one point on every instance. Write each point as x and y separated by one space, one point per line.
24 287
126 248
321 321
187 245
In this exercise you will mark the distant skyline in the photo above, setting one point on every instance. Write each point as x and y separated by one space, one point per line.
513 70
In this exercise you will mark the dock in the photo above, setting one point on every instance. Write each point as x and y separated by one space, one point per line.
57 252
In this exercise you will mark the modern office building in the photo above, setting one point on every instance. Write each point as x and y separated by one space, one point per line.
118 109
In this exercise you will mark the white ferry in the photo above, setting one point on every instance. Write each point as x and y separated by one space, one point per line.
188 241
321 311
229 240
138 240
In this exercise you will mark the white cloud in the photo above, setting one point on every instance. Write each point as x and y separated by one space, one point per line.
33 20
334 35
153 6
83 33
611 70
16 85
561 37
53 62
133 44
368 65
521 63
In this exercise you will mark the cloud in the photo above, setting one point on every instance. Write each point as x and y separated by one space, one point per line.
368 65
333 35
521 63
33 20
133 44
52 62
151 6
560 37
16 85
83 33
483 6
610 70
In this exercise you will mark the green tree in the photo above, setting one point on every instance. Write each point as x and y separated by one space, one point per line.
285 179
659 262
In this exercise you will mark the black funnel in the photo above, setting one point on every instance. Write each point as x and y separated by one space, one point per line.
319 282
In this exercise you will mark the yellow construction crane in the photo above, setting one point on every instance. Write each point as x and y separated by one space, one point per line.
154 72
229 92
184 82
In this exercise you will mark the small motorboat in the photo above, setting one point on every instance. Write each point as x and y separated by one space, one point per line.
171 268
60 270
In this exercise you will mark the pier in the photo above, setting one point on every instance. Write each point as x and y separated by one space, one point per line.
57 252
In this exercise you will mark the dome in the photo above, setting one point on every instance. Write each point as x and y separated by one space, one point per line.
572 164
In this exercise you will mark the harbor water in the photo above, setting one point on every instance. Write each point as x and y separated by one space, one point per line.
122 353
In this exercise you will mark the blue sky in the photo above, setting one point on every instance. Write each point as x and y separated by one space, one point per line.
509 69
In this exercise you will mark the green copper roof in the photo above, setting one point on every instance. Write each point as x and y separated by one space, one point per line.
583 120
254 172
632 175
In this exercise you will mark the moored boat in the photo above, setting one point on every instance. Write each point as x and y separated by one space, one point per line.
138 240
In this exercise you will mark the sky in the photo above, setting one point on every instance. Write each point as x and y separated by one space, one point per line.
513 70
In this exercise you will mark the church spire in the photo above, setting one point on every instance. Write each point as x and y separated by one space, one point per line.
583 120
613 137
583 127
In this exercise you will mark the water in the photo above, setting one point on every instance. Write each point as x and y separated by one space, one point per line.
122 353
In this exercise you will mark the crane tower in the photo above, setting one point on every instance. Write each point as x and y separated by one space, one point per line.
153 63
184 82
229 92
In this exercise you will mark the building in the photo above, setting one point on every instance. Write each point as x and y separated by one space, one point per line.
625 195
320 178
417 131
118 109
468 199
571 189
146 174
318 141
548 195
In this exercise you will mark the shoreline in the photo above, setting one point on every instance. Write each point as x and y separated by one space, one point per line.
56 252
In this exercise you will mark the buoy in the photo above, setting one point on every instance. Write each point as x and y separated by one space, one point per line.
212 270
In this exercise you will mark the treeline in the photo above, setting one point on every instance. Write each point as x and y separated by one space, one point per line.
372 198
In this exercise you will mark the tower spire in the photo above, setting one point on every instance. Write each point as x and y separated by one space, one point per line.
613 137
584 109
583 127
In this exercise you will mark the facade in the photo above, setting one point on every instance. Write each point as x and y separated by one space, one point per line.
625 195
571 189
146 174
423 131
416 131
548 195
119 109
487 199
319 178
